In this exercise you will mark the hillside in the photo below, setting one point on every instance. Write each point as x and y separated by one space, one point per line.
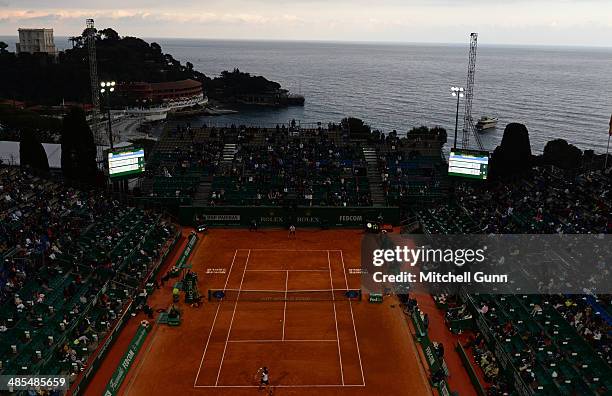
38 79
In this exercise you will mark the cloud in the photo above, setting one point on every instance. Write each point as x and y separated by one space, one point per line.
152 16
585 22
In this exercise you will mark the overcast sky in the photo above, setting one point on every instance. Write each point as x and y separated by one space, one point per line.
550 22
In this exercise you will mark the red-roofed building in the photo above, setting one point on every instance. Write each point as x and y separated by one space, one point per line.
142 92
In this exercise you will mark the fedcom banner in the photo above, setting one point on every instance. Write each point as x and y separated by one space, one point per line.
494 264
222 218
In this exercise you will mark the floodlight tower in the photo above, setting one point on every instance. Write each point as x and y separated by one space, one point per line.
458 92
468 121
95 89
106 89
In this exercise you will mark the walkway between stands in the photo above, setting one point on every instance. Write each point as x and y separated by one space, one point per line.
156 301
458 381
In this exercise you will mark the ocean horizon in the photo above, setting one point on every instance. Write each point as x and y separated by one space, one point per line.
556 91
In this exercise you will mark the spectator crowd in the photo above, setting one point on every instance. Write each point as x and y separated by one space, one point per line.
70 262
310 170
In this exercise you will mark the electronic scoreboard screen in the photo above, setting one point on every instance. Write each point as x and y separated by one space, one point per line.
468 163
126 162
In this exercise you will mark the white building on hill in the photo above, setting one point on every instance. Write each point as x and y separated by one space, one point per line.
36 41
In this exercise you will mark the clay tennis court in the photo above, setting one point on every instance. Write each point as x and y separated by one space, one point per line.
285 307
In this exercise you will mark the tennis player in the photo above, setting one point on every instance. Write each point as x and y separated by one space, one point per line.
264 377
291 231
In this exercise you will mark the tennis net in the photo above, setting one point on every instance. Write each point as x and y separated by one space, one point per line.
284 295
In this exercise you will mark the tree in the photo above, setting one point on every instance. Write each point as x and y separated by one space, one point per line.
437 133
3 47
355 127
77 41
32 79
440 133
109 34
513 156
78 148
562 154
86 31
31 152
237 83
156 48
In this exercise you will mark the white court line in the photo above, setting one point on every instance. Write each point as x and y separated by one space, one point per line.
285 309
337 340
284 386
214 320
353 319
294 250
335 319
282 291
255 341
233 314
283 270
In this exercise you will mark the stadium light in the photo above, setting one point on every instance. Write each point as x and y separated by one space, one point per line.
458 93
108 87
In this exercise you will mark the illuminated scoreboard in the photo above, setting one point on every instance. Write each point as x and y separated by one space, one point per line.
468 163
128 162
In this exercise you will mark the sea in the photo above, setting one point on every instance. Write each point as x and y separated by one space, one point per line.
557 92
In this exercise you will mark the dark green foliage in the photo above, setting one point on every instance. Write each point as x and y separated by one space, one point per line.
39 79
513 156
356 127
436 132
31 152
562 154
109 34
440 133
45 128
236 83
78 148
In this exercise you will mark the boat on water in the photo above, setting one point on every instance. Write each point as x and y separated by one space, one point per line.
486 122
